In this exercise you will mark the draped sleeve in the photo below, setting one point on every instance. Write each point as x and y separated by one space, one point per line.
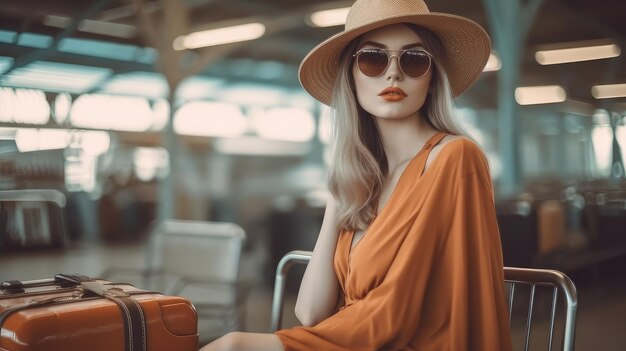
443 288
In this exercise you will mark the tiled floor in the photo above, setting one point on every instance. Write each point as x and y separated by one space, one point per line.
602 293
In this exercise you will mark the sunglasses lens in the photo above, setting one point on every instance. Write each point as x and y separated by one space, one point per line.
372 62
415 63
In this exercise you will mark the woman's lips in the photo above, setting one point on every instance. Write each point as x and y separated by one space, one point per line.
392 94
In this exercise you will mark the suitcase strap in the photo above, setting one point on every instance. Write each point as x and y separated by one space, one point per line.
134 321
132 314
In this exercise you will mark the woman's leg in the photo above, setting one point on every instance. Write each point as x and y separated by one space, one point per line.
238 341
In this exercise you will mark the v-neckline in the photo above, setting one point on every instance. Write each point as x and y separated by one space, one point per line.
429 145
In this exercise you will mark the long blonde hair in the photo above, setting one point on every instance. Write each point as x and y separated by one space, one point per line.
359 164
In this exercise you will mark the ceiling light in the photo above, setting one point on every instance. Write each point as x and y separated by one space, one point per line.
329 18
199 87
41 139
246 145
252 94
288 124
98 111
62 105
112 29
540 95
93 142
24 106
219 36
493 64
119 30
608 91
576 54
210 119
147 84
54 76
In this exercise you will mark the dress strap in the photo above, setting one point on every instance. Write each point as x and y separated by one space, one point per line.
428 147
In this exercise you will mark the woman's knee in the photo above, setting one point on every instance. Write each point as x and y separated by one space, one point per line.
232 341
227 342
241 341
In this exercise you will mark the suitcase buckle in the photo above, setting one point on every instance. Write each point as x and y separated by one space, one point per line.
116 292
104 291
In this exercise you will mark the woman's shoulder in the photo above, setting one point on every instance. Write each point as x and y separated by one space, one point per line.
457 151
459 143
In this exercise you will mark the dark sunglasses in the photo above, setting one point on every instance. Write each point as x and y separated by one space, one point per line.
373 61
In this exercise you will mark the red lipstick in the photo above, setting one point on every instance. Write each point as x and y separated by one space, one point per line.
392 94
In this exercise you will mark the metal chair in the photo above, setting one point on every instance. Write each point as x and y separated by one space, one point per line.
554 281
513 277
200 261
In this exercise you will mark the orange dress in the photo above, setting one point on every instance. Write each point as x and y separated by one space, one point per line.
428 273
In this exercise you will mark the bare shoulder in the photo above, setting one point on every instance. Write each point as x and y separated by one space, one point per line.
448 139
450 142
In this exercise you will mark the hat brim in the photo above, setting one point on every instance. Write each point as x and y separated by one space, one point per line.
466 45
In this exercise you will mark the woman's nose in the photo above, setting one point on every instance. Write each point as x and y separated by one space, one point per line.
393 71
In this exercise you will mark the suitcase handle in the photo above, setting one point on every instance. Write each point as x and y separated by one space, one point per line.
61 280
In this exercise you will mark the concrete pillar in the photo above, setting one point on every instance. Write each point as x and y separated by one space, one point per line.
510 21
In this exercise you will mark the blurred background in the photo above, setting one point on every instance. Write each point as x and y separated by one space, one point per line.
119 115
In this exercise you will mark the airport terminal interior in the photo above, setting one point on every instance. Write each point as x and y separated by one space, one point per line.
125 121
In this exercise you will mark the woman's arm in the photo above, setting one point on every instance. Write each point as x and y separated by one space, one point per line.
318 293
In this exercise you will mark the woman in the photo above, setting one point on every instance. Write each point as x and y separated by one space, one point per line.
408 257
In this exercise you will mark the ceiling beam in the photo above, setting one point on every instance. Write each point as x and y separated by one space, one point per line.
40 54
118 66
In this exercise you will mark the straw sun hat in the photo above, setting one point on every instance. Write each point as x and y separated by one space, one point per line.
466 44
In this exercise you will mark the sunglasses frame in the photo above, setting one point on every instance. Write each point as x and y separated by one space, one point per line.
390 56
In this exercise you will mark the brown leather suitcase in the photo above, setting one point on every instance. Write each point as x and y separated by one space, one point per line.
78 313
